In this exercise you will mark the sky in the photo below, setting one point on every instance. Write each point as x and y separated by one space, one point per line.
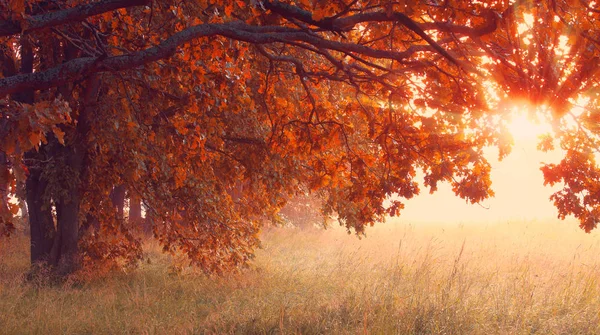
517 181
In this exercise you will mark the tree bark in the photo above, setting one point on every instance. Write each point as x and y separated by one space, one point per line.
65 16
22 196
5 213
65 252
117 197
135 209
41 223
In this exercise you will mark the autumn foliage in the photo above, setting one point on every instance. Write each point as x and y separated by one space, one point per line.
211 115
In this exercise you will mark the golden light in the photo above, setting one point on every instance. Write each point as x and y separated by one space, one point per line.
524 127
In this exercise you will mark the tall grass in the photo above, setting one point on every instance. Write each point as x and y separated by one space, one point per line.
504 278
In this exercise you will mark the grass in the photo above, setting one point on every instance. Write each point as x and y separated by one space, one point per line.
504 278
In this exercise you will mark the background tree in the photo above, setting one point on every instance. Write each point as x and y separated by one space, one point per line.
213 114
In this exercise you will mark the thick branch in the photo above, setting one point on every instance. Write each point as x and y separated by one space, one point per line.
349 22
79 68
56 18
294 12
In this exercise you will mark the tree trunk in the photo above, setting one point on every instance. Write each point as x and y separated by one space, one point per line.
24 220
117 196
65 251
41 223
6 216
56 245
135 210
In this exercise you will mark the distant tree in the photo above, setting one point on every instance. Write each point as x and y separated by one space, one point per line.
185 103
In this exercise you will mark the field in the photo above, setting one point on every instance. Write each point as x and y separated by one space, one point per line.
503 278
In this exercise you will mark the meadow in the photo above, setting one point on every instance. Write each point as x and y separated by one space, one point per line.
527 277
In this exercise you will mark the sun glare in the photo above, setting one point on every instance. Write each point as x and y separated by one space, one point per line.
525 128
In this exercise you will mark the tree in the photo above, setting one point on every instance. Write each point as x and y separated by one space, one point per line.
213 114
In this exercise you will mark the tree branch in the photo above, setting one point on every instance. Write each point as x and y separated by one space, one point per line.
56 18
349 22
79 68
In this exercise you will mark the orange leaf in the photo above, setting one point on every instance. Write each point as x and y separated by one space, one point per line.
228 9
60 135
17 6
34 139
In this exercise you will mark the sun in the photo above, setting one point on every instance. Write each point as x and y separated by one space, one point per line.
524 127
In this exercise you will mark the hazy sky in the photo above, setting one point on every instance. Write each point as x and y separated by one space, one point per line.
517 182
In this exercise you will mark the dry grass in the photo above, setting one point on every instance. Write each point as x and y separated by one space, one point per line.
506 278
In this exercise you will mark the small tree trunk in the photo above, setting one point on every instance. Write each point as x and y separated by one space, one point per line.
135 212
117 196
6 215
135 209
90 222
21 194
24 220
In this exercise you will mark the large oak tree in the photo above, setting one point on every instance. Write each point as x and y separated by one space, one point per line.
212 114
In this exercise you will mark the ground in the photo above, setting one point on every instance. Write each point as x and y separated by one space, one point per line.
488 278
